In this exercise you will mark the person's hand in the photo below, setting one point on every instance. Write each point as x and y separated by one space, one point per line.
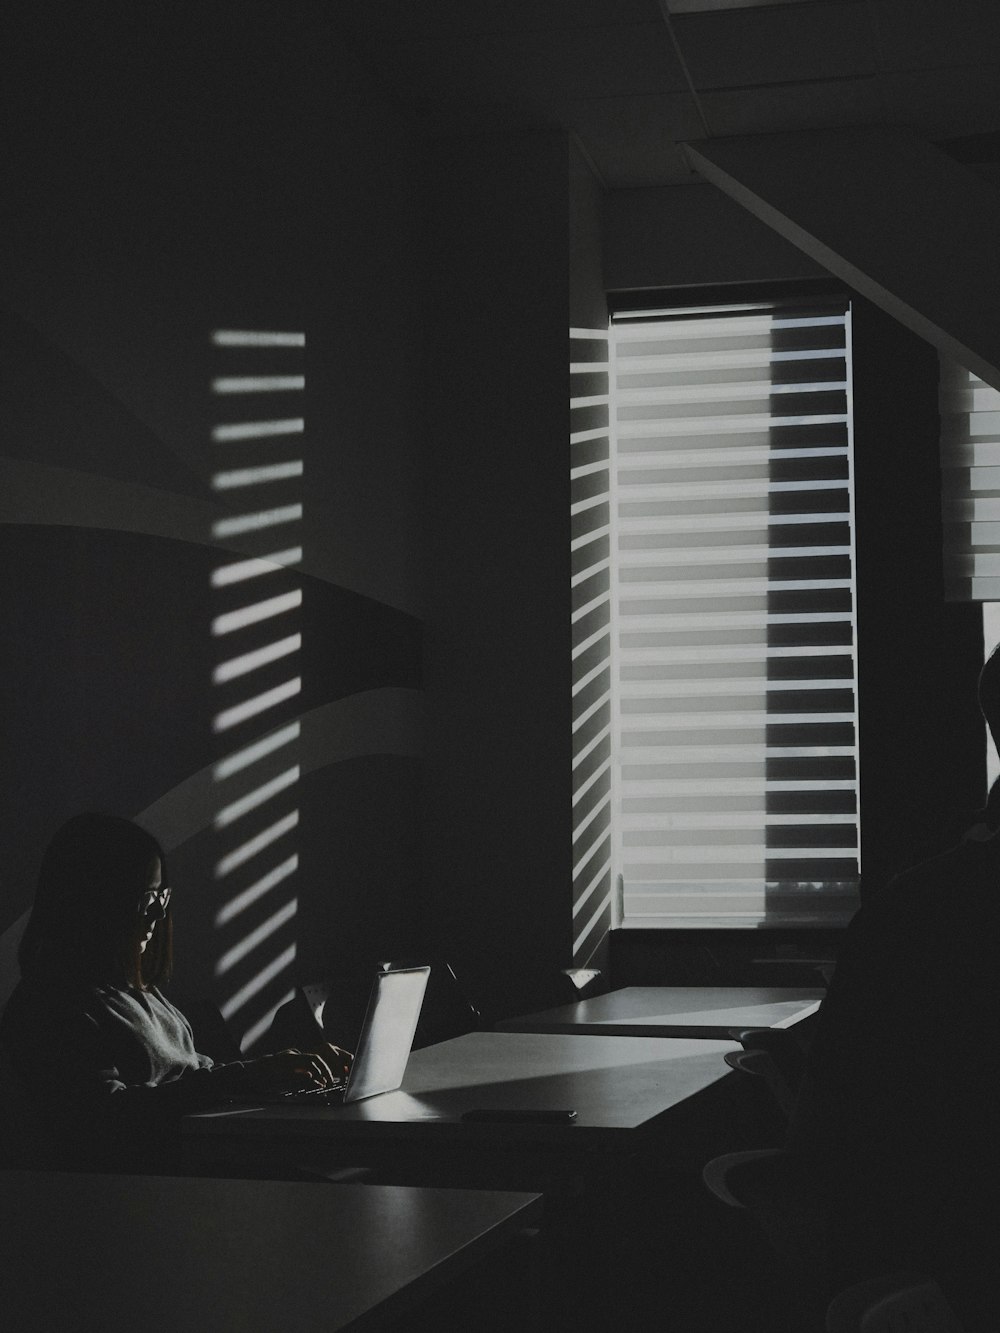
291 1069
339 1060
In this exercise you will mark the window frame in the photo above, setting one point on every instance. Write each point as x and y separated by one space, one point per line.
772 294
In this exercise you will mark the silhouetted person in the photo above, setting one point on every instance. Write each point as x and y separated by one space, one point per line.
104 1062
896 1125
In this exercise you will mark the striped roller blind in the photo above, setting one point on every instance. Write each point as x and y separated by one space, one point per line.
590 452
970 465
735 725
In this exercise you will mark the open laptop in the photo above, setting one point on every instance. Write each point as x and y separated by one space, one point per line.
390 1022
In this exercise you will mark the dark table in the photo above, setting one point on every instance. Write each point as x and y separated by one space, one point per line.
701 1012
82 1252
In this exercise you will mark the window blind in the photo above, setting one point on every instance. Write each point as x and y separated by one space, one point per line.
735 718
590 499
970 468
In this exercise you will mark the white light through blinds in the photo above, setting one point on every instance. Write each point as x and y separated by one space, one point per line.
970 465
735 650
257 677
590 454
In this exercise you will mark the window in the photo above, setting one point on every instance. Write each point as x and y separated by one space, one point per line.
970 455
714 625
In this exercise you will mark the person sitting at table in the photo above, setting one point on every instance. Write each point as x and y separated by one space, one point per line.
894 1132
105 1064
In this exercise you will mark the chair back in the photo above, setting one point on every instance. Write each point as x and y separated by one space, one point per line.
893 1303
447 1011
299 1021
761 1064
333 1010
211 1031
741 1178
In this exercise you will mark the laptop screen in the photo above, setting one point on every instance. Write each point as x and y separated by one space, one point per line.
387 1032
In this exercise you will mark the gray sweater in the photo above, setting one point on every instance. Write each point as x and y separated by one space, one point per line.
108 1070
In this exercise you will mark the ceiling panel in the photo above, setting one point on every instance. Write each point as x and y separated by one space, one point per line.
457 18
919 34
444 120
796 43
944 103
799 106
632 141
542 65
606 70
704 6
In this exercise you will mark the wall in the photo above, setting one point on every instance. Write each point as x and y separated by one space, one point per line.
588 305
923 739
221 168
497 832
212 168
691 236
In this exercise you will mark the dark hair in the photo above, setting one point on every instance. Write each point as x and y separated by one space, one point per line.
84 925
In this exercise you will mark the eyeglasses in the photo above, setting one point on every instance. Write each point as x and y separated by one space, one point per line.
155 898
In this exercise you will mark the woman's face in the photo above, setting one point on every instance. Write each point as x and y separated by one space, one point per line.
153 904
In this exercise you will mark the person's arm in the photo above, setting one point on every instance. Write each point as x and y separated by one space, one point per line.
66 1057
194 1089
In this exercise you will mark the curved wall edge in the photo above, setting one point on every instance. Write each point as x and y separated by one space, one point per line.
43 495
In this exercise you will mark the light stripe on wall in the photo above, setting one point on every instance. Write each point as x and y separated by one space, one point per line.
257 816
590 622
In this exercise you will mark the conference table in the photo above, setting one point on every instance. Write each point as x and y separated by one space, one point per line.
619 1086
163 1253
648 1116
627 1092
694 1012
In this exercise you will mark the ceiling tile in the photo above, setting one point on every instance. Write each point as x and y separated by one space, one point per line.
456 18
703 6
927 34
793 43
446 119
537 66
799 106
944 103
632 142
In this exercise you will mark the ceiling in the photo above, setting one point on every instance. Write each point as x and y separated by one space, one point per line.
631 79
83 104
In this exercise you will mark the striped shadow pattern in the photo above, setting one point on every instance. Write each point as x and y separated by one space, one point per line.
970 471
590 496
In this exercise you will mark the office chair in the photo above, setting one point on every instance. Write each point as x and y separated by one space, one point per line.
740 1179
759 1064
781 1044
300 1021
211 1032
334 1010
774 1055
447 1010
892 1303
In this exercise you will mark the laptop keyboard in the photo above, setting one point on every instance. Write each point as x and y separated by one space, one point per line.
334 1090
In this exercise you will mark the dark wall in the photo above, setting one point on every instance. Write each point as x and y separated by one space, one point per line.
497 832
588 303
170 173
691 236
922 737
233 166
